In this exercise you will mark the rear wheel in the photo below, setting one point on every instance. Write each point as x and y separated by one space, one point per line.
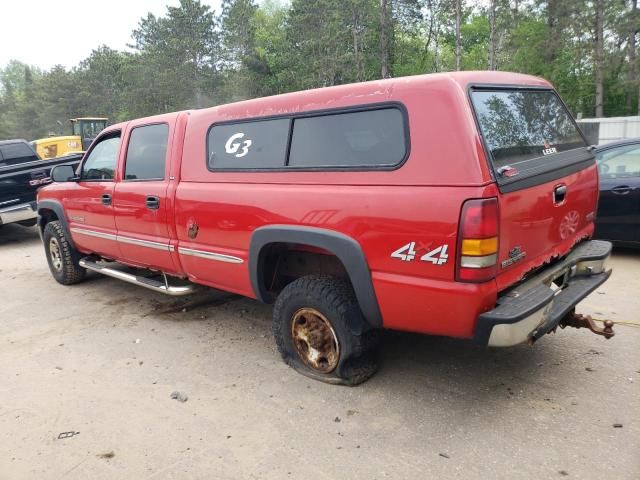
317 324
62 257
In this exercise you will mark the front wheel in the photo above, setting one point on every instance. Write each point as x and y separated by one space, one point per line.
62 257
317 324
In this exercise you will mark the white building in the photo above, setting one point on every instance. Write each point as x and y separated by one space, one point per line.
606 130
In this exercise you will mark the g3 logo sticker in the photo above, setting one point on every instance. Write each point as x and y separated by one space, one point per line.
232 147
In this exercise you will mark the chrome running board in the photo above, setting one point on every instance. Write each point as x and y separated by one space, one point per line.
151 284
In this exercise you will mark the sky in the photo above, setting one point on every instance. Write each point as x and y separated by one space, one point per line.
45 33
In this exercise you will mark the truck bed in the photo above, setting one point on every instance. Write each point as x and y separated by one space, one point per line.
20 183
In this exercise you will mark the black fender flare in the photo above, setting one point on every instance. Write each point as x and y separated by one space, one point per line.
345 248
55 207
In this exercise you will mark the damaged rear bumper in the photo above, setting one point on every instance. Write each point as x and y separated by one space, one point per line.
532 309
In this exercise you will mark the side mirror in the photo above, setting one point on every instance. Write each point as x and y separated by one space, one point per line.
63 173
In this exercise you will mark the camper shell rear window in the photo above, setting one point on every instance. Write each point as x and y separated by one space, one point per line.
520 125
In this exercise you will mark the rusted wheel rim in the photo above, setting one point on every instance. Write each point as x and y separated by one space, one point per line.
315 340
54 253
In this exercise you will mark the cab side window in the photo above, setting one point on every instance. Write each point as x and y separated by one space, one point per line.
147 152
101 162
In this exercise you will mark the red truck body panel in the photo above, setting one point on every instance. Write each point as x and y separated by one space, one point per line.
544 229
381 210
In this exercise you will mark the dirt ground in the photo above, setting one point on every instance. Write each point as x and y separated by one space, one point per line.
102 358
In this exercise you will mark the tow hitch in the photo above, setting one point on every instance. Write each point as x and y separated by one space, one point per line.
577 320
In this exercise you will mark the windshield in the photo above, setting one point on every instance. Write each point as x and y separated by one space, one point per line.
519 125
88 128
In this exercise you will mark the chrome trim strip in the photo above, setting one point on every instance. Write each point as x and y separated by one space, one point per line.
9 202
92 233
220 257
145 243
209 255
129 240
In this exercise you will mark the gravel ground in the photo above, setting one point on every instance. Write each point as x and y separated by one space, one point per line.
103 359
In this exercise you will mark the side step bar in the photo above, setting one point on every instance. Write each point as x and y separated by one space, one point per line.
162 287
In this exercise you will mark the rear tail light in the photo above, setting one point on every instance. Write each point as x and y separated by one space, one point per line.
478 241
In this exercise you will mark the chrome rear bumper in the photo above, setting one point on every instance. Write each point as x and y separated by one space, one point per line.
535 307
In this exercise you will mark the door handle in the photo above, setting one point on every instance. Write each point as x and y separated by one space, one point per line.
106 199
559 193
621 190
153 202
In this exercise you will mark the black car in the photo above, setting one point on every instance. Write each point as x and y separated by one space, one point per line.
22 173
618 218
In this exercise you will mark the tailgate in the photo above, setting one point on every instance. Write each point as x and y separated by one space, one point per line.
536 225
546 175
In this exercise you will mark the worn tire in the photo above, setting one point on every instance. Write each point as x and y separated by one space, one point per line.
64 266
334 299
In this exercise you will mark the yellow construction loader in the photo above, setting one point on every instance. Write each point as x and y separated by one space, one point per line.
83 131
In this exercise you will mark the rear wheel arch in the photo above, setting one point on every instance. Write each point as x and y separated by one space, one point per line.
347 251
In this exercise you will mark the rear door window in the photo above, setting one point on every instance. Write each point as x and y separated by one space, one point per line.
521 125
147 153
370 138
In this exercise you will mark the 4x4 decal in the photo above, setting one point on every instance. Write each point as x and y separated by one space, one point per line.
437 256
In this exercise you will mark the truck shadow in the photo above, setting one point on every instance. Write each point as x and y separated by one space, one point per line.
625 252
13 234
456 375
452 358
198 302
437 372
457 371
149 303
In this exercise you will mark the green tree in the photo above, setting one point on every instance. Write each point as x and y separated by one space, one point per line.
181 48
100 81
189 58
27 121
270 67
237 30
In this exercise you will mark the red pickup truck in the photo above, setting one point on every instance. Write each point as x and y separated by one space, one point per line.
454 204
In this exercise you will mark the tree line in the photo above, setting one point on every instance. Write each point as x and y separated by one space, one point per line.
193 57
